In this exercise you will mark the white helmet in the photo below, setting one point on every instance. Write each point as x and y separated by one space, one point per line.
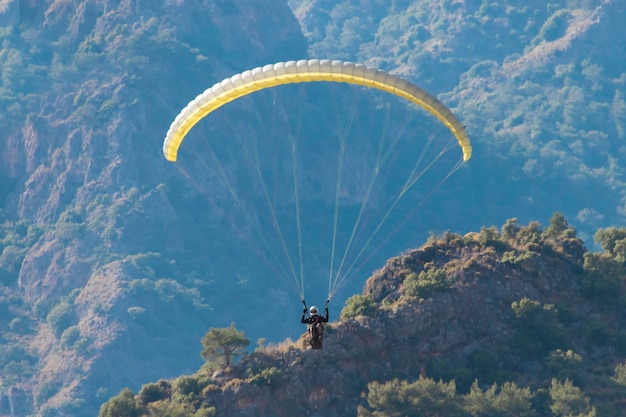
313 310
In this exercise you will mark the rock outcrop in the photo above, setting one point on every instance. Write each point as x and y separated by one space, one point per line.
466 327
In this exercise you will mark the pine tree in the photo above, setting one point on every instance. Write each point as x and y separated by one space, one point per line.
569 401
224 345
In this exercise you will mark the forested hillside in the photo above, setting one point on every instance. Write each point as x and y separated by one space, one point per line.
539 85
114 263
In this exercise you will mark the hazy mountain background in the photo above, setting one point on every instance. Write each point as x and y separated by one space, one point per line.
114 263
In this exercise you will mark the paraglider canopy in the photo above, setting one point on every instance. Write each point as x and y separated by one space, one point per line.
307 71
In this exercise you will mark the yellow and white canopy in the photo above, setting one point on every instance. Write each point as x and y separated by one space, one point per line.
303 71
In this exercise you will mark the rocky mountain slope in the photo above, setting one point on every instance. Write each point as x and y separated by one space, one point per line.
522 304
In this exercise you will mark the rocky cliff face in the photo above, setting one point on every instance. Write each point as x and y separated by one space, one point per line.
81 159
503 308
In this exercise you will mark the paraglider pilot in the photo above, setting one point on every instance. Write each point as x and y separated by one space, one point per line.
315 322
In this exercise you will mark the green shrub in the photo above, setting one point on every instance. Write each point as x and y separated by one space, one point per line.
70 336
568 400
42 307
122 405
81 345
67 232
427 282
603 277
267 376
46 390
210 390
359 305
205 412
60 317
537 326
530 233
489 236
11 258
506 400
611 239
401 398
185 385
510 229
564 364
152 392
509 257
619 374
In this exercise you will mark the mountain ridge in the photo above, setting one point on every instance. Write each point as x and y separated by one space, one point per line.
494 307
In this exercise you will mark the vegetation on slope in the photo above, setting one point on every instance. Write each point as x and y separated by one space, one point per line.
539 85
517 320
